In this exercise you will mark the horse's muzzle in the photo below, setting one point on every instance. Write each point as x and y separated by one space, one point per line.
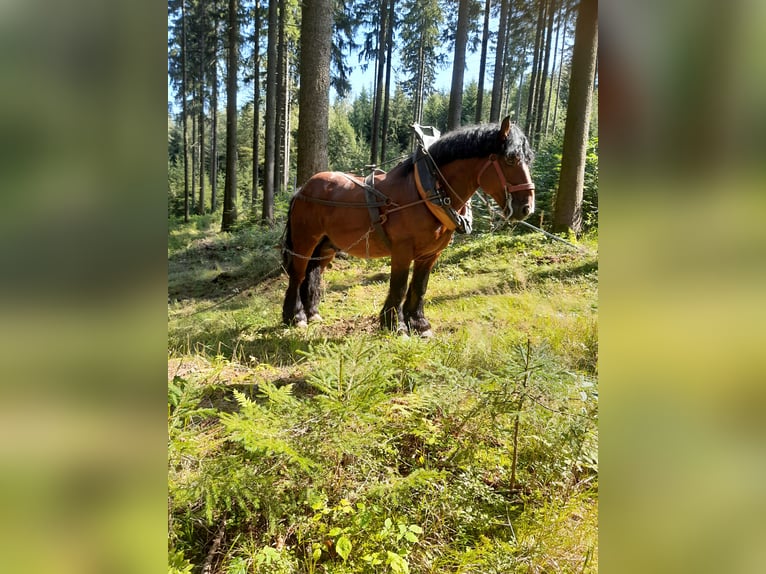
520 211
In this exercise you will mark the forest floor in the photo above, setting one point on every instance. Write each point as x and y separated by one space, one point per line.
341 448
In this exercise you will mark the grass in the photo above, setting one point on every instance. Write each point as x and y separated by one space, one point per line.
339 448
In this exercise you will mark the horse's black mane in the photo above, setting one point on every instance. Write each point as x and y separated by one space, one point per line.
480 141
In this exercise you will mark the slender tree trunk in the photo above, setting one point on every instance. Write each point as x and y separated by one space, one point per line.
568 214
421 80
518 95
482 63
379 68
271 114
561 69
507 73
201 122
194 154
314 102
214 130
230 187
286 136
529 119
499 72
553 70
184 110
455 110
544 76
387 93
256 103
279 158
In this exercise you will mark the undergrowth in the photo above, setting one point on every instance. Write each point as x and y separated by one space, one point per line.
338 449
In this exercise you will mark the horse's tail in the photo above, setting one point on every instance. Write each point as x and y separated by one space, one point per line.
287 239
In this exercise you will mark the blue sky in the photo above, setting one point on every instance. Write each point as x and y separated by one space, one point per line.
366 79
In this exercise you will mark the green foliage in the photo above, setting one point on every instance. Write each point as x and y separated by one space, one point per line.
344 149
321 451
545 173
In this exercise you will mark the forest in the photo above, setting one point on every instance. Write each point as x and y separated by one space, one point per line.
340 448
525 48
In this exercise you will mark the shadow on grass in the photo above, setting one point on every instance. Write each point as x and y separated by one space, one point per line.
511 284
198 283
277 345
564 272
213 266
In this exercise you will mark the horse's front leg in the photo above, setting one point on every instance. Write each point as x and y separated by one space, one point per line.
413 306
391 316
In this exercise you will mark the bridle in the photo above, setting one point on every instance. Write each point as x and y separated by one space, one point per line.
492 161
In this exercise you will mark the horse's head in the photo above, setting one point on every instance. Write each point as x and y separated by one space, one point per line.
509 182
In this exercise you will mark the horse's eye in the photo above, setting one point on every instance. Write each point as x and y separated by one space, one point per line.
512 160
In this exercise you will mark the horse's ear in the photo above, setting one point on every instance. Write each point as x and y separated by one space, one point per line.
505 128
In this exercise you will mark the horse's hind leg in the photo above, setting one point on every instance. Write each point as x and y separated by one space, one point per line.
311 288
292 309
293 312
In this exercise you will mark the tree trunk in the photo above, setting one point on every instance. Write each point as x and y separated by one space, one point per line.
379 68
387 93
544 76
286 135
184 111
256 103
193 155
230 187
482 63
214 129
421 82
455 110
279 158
314 102
568 214
528 120
201 122
561 69
499 72
271 114
203 61
553 70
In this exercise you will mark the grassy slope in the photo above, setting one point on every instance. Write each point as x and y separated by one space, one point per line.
390 410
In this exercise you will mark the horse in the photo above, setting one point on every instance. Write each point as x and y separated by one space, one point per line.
335 211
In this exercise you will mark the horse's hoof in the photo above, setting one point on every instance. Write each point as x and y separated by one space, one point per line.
427 334
317 318
302 324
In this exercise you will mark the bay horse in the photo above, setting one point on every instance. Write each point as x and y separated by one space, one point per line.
331 212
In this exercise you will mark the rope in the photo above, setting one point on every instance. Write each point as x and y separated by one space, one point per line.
229 297
556 237
550 235
354 244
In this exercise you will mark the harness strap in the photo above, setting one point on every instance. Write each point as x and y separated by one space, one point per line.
374 204
438 203
376 218
501 176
